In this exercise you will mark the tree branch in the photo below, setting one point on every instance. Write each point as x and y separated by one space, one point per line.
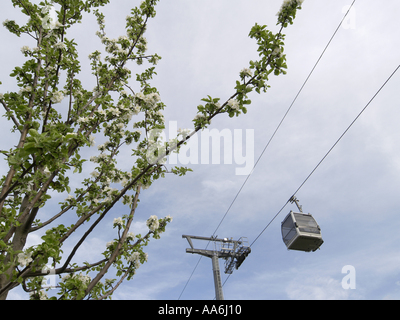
127 271
117 250
11 115
116 286
61 270
24 132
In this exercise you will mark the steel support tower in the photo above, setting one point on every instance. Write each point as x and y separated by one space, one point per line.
233 251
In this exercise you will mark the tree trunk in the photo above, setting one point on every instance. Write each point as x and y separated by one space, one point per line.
18 243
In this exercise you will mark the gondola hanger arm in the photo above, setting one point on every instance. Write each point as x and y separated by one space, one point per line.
295 200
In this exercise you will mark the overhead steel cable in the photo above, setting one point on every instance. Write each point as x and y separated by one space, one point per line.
317 166
329 151
283 119
272 137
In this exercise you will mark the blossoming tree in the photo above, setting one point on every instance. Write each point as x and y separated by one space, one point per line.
54 120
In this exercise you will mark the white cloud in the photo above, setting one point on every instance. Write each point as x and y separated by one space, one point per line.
33 240
320 288
219 185
353 195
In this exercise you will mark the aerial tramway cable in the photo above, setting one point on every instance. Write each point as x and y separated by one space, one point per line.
330 150
269 142
316 167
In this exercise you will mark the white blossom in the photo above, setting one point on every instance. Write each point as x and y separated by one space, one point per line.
135 259
110 190
58 24
114 111
60 45
130 236
277 51
24 258
95 55
173 143
83 278
154 59
247 72
234 104
25 49
26 89
150 99
107 182
50 20
200 116
110 243
124 182
101 21
136 110
42 294
57 97
82 119
102 112
118 222
91 140
153 223
46 171
184 132
140 95
160 114
94 174
101 156
66 277
142 45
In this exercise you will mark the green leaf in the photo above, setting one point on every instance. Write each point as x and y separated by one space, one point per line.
33 133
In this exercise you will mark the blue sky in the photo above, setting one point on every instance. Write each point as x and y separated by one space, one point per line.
354 193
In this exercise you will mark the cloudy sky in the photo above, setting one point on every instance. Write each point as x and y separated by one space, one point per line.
354 193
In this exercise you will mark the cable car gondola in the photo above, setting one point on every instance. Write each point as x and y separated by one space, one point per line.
301 232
